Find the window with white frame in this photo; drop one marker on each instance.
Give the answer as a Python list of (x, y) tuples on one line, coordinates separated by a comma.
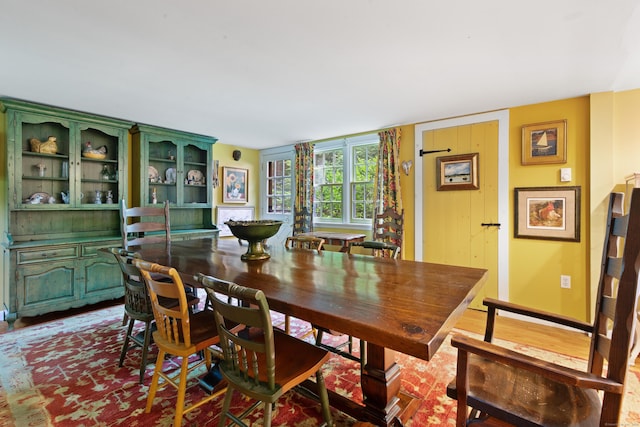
[(344, 173)]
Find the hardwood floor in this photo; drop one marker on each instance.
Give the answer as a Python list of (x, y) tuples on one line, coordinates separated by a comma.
[(558, 340)]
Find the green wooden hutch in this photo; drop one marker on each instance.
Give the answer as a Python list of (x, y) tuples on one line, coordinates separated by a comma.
[(65, 173)]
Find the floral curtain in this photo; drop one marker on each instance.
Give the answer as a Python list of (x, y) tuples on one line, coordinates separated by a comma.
[(387, 185), (304, 177)]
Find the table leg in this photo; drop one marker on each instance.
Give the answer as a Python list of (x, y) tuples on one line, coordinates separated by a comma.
[(384, 404)]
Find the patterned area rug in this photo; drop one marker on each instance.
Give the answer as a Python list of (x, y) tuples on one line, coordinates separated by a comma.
[(65, 373)]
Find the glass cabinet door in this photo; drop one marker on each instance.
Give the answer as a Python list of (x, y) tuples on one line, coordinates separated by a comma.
[(99, 154), (43, 159), (195, 179), (162, 172)]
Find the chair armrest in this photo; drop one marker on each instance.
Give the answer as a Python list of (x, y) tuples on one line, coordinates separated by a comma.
[(549, 370), (494, 304)]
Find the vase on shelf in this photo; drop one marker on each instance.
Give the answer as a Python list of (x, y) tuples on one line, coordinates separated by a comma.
[(105, 175)]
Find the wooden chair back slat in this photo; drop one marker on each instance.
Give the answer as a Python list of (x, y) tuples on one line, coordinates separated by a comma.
[(144, 225), (302, 221), (304, 242), (614, 268), (608, 307)]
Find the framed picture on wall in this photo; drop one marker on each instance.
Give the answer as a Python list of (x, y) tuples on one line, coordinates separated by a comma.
[(547, 213), (459, 172), (544, 143), (232, 214), (236, 185)]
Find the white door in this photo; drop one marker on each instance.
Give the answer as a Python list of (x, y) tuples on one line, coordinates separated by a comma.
[(276, 180)]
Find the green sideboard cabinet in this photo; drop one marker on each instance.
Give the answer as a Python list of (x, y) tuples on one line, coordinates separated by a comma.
[(65, 172)]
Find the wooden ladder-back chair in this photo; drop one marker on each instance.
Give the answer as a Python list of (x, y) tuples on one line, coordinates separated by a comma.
[(389, 226), (259, 361), (147, 225), (144, 225), (137, 307), (302, 221), (500, 384), (179, 333)]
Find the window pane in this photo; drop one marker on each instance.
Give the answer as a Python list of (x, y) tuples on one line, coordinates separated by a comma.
[(330, 173), (279, 186)]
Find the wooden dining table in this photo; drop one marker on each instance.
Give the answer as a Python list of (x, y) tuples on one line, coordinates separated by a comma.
[(394, 305)]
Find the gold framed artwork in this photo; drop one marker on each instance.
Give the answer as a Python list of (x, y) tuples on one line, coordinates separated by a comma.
[(544, 143), (547, 213), (236, 185), (459, 172)]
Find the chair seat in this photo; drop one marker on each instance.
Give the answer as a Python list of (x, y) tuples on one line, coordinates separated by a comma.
[(295, 361), (516, 391)]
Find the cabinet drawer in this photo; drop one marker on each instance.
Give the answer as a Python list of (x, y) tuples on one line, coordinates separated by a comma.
[(92, 250), (50, 254)]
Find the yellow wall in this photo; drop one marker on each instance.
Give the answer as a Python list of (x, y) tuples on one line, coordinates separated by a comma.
[(626, 134), (535, 266), (250, 159)]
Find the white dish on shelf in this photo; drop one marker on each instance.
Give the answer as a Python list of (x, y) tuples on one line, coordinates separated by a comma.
[(195, 177), (153, 174), (170, 176)]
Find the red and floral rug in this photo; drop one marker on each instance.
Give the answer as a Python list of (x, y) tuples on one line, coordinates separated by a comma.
[(65, 373)]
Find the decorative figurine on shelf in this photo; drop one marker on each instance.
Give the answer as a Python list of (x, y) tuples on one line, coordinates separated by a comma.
[(97, 153), (98, 199), (41, 168), (105, 175), (109, 197), (50, 146), (154, 196), (65, 197)]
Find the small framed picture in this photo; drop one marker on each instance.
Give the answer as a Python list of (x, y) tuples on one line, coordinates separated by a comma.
[(547, 213), (544, 143), (458, 172), (236, 185)]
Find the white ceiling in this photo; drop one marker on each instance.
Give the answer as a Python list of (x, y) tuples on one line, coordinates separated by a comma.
[(264, 73)]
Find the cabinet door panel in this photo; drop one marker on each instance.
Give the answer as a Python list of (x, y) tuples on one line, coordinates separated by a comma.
[(101, 275), (44, 285)]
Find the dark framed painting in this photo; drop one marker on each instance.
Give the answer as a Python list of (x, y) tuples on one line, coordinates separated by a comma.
[(236, 185), (544, 143), (459, 172), (547, 213)]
